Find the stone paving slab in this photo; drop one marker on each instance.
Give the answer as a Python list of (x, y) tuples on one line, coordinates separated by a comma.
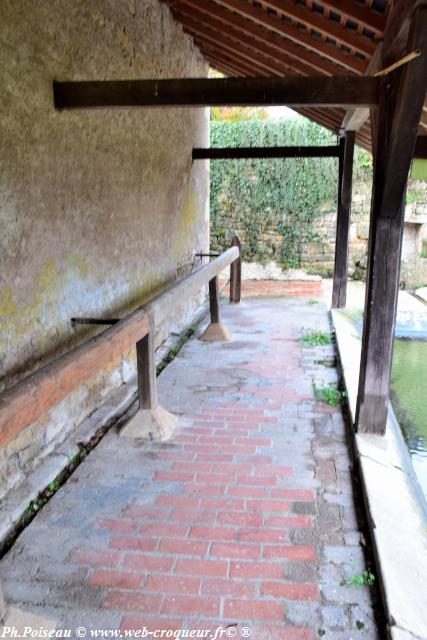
[(244, 519), (395, 505)]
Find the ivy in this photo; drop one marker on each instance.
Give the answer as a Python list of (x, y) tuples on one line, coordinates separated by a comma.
[(272, 199)]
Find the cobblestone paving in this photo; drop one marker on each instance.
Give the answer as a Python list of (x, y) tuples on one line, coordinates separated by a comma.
[(245, 519)]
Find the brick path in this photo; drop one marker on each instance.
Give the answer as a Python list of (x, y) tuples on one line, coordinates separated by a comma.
[(245, 518)]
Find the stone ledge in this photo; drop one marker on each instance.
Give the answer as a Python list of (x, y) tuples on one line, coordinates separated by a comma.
[(396, 510)]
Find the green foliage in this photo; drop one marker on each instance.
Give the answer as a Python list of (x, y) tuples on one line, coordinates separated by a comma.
[(414, 197), (331, 394), (362, 579), (273, 196), (315, 338)]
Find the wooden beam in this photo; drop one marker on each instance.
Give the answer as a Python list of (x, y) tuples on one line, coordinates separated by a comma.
[(330, 29), (206, 11), (395, 127), (339, 293), (213, 153), (177, 295), (202, 92), (297, 35), (356, 12), (25, 402), (355, 119)]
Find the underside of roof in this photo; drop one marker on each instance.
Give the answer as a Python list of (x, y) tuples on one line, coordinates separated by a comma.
[(249, 38)]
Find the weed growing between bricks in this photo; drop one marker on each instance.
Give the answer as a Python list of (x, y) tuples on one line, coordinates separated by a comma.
[(84, 449)]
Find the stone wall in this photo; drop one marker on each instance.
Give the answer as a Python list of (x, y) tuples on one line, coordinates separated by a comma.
[(319, 251), (98, 209)]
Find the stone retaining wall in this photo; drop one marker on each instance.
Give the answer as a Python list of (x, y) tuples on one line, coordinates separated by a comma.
[(318, 253)]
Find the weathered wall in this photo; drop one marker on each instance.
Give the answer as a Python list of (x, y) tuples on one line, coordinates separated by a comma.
[(97, 208)]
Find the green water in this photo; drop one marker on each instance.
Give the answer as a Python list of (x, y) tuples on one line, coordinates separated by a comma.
[(409, 399)]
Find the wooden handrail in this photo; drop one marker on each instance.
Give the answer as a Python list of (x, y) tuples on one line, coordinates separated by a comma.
[(28, 400)]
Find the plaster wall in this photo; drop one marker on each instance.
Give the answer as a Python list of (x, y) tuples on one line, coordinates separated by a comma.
[(98, 209)]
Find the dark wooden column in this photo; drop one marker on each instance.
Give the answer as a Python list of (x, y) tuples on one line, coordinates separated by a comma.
[(395, 133), (345, 184)]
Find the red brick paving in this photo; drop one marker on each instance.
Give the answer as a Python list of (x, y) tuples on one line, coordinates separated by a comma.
[(209, 549), (245, 517)]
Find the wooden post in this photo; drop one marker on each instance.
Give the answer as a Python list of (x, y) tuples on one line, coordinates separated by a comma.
[(214, 300), (345, 179), (236, 273), (146, 369), (394, 139), (215, 332), (150, 421)]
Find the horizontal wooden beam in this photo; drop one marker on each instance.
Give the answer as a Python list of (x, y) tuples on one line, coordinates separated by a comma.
[(203, 92), (265, 152), (25, 402)]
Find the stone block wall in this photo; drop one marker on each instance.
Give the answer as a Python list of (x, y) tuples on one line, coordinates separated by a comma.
[(319, 251), (98, 209)]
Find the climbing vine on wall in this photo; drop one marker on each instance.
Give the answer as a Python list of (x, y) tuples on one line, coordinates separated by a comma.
[(273, 203)]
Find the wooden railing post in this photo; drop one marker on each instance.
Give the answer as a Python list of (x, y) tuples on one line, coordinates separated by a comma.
[(214, 302), (151, 420), (146, 369), (215, 332), (236, 272)]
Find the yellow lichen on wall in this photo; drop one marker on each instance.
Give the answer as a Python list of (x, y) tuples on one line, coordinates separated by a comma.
[(7, 304), (185, 231)]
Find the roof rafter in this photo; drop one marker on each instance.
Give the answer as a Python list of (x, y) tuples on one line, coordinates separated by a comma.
[(292, 32), (195, 20), (360, 13), (325, 26), (234, 46), (210, 10), (238, 61)]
